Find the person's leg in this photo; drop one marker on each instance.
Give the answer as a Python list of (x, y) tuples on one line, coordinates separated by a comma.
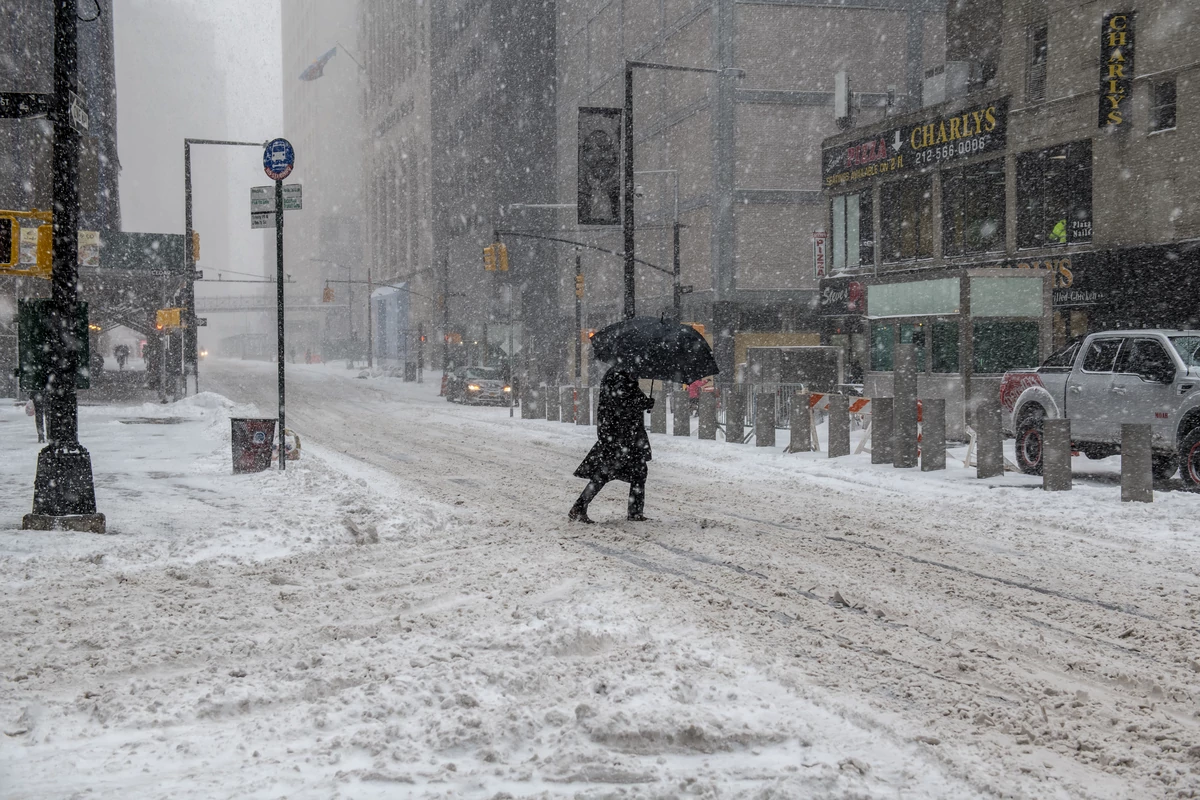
[(637, 500), (579, 510), (39, 410)]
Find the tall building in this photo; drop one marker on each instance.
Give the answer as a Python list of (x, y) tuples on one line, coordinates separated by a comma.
[(739, 148), (1046, 192), (397, 177), (494, 152), (324, 81)]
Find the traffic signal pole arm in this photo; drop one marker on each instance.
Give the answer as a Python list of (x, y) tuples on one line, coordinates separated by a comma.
[(527, 235)]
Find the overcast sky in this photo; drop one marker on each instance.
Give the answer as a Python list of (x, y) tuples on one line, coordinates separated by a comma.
[(201, 69)]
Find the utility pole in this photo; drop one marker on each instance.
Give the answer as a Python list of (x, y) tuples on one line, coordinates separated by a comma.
[(64, 494), (370, 327), (578, 323)]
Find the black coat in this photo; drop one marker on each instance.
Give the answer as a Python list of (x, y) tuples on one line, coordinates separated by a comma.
[(622, 447)]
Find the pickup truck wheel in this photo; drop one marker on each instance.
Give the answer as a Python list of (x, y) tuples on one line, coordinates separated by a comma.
[(1030, 444), (1163, 467), (1189, 460)]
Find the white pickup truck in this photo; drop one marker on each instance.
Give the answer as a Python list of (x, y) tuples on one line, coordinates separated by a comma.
[(1106, 380)]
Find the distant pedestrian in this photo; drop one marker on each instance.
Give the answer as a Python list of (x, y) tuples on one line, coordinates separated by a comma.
[(121, 352), (622, 447), (293, 354), (308, 356), (693, 390), (38, 399)]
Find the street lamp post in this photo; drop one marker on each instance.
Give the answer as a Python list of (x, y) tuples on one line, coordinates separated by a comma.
[(628, 137), (190, 335), (676, 295)]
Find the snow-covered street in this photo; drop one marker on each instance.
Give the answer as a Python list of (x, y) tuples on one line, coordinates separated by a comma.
[(407, 612)]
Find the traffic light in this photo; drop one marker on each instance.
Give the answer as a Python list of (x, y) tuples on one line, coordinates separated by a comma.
[(502, 252), (579, 286), (167, 318), (489, 258), (26, 243), (195, 246)]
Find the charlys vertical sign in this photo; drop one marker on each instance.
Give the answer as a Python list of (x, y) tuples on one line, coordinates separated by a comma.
[(1116, 69)]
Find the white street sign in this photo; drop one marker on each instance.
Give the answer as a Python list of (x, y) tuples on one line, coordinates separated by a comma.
[(262, 219), (262, 198)]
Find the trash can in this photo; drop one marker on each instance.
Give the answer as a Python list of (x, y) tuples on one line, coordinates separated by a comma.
[(253, 443)]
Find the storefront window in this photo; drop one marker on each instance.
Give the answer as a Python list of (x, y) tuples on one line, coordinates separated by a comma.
[(973, 208), (1054, 195), (1001, 345), (1006, 297), (914, 333), (945, 347), (914, 298), (882, 349), (906, 218), (853, 231)]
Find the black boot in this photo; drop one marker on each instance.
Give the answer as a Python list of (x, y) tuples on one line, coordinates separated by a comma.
[(578, 513)]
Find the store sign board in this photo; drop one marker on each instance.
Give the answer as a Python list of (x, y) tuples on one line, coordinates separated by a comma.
[(919, 145), (1116, 70), (819, 239)]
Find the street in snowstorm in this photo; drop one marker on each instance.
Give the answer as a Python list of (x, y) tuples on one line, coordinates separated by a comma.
[(537, 399)]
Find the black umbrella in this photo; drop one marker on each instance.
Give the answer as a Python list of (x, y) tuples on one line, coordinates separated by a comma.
[(656, 349)]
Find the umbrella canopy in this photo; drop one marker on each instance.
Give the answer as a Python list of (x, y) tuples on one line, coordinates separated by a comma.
[(657, 349)]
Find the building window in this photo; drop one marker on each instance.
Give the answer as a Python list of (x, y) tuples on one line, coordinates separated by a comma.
[(1054, 191), (906, 218), (1035, 79), (945, 346), (1003, 345), (853, 231), (1162, 114), (973, 208)]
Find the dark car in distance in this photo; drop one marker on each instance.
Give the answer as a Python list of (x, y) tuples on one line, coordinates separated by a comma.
[(477, 386)]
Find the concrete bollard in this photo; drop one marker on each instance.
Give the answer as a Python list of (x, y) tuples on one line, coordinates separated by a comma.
[(583, 406), (567, 404), (734, 396), (539, 402), (881, 430), (708, 415), (904, 412), (933, 434), (527, 404), (764, 419), (1137, 474), (681, 424), (551, 395), (1056, 455), (989, 441), (658, 414), (801, 424), (839, 425)]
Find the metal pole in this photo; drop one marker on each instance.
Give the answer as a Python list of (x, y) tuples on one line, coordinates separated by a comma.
[(370, 327), (510, 352), (279, 329), (189, 271), (676, 297), (629, 306), (63, 487), (578, 323), (350, 308)]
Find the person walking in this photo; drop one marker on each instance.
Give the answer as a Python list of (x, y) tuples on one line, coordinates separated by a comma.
[(622, 447), (38, 399), (693, 391)]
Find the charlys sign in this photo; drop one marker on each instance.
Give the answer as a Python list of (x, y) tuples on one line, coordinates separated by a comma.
[(1116, 69), (966, 133)]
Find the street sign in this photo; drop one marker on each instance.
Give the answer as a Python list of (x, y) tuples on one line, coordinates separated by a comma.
[(262, 219), (79, 115), (278, 159), (160, 273), (201, 322), (262, 198), (818, 239)]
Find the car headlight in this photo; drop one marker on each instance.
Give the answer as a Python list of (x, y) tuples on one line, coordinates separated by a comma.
[(474, 387), (508, 388)]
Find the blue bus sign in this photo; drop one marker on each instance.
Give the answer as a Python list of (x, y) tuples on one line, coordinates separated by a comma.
[(278, 159)]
